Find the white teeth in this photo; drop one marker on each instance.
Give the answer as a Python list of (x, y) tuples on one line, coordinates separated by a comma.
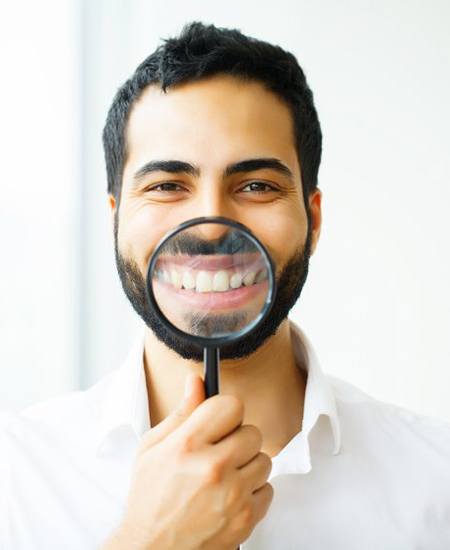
[(235, 280), (204, 282), (188, 280), (220, 281), (207, 281), (261, 275), (175, 279), (249, 278)]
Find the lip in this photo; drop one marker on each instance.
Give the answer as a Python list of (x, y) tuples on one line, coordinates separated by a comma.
[(212, 263), (230, 299)]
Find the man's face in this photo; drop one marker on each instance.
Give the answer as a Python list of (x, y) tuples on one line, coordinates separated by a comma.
[(212, 125)]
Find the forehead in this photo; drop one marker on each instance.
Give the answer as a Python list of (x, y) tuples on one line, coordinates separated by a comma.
[(210, 122)]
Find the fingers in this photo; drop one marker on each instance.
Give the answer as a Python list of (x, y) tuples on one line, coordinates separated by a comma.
[(240, 447), (214, 419), (252, 512), (262, 499), (256, 472)]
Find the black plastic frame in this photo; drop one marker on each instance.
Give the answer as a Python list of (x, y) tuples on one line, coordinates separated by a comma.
[(200, 341)]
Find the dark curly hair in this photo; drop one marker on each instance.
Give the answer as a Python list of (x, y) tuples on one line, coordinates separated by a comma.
[(204, 50)]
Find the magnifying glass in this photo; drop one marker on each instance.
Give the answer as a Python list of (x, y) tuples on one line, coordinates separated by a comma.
[(211, 282)]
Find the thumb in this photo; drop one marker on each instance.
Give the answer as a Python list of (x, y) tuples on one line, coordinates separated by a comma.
[(194, 394)]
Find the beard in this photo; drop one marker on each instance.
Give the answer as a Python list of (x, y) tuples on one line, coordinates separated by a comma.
[(290, 283)]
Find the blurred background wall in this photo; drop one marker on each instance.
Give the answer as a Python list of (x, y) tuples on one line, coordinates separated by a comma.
[(376, 304)]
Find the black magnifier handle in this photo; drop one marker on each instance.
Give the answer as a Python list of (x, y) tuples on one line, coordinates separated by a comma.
[(211, 372)]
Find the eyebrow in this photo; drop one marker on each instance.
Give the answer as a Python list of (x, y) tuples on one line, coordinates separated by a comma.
[(181, 167)]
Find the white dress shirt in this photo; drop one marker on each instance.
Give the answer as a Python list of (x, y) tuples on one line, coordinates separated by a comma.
[(361, 475)]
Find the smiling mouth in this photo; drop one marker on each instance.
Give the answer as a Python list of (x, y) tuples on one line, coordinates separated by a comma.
[(204, 279)]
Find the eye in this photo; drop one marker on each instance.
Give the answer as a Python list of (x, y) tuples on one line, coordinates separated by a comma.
[(258, 187), (166, 187)]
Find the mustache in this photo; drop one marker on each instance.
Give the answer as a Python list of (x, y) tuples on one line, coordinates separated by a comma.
[(232, 242)]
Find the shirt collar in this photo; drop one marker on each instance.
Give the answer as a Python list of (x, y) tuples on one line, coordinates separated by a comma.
[(295, 457), (124, 407)]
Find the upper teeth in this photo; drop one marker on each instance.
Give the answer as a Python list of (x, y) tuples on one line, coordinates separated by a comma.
[(249, 278), (203, 282), (220, 281), (188, 280), (235, 280), (207, 281), (176, 279)]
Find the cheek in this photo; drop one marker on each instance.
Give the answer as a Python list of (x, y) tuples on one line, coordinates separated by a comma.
[(283, 233), (139, 233)]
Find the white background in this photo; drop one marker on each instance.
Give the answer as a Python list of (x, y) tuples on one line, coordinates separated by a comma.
[(376, 304)]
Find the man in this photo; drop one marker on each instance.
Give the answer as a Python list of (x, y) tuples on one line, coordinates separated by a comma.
[(217, 124)]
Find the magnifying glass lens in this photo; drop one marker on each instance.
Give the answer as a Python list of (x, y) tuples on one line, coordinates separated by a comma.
[(210, 280)]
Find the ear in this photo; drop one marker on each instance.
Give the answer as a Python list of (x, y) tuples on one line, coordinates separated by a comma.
[(112, 205), (315, 205)]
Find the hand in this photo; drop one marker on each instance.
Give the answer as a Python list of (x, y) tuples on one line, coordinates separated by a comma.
[(199, 480)]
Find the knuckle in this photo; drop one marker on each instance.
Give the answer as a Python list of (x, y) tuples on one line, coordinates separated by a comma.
[(186, 445), (214, 473), (256, 434), (267, 493), (234, 405), (266, 462), (234, 496)]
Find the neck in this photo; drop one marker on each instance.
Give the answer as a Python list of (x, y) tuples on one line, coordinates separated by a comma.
[(272, 390)]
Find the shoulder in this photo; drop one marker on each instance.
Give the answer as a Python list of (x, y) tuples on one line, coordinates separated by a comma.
[(68, 418), (384, 422)]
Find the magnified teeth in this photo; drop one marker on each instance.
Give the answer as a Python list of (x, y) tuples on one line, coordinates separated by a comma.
[(209, 281), (249, 278), (261, 276), (220, 281), (235, 280), (175, 278), (204, 282), (188, 280)]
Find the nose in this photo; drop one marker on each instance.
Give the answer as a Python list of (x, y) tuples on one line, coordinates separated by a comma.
[(213, 201), (212, 231)]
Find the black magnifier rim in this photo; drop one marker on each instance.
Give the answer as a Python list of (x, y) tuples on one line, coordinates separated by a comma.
[(220, 340)]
